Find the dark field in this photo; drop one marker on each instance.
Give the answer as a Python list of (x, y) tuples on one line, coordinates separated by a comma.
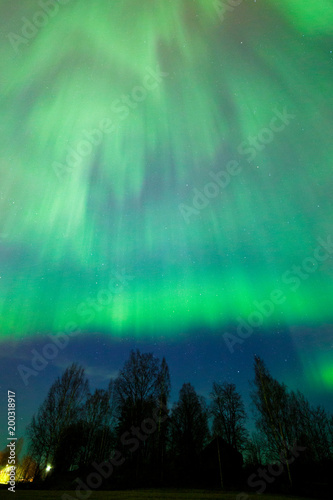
[(143, 495)]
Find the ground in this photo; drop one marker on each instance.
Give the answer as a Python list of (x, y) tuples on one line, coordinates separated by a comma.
[(143, 495)]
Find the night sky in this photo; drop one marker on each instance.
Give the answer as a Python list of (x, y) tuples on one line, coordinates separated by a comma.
[(166, 184)]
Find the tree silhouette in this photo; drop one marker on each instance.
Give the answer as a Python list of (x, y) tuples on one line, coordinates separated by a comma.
[(142, 386), (229, 415), (188, 429), (61, 409), (271, 400), (99, 420)]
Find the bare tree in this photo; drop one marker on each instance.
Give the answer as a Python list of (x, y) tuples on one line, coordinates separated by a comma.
[(160, 439), (99, 420), (287, 417), (254, 450), (61, 408), (138, 387), (189, 425), (143, 385), (229, 415), (310, 426), (273, 408), (27, 469)]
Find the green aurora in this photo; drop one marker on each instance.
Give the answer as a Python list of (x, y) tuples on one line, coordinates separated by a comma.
[(179, 89)]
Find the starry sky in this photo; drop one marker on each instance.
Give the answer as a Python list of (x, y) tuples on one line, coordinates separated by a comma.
[(166, 180)]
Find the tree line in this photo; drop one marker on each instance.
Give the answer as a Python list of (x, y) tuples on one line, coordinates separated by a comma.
[(192, 442)]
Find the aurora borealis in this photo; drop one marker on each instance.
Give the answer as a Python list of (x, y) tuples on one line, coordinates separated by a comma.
[(116, 116)]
